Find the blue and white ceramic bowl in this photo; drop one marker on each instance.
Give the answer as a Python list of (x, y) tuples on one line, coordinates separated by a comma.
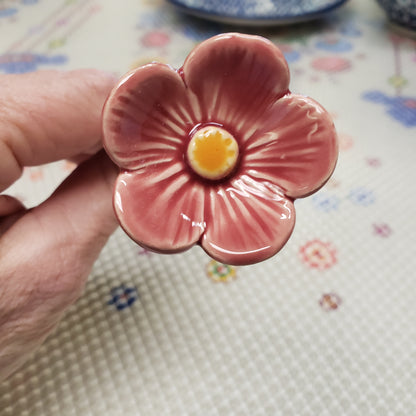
[(258, 12), (400, 12)]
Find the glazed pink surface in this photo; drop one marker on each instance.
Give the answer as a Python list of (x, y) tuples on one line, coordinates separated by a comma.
[(287, 146)]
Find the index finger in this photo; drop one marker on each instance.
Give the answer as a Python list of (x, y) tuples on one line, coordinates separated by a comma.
[(49, 115)]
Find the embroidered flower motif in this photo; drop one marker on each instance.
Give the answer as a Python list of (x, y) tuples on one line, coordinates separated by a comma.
[(123, 297), (403, 109), (330, 302), (36, 174), (216, 152), (326, 202), (382, 230), (362, 196), (318, 254), (331, 64), (220, 272), (334, 44), (345, 142), (19, 63), (374, 162)]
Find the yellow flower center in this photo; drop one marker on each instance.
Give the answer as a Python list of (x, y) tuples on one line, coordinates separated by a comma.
[(212, 152)]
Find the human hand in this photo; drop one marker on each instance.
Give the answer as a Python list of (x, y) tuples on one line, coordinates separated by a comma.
[(47, 252)]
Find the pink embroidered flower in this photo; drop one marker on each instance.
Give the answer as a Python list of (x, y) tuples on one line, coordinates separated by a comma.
[(216, 152), (318, 254)]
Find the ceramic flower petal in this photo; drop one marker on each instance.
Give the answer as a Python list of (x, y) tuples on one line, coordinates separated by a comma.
[(146, 117), (235, 78), (247, 221), (295, 146), (161, 209)]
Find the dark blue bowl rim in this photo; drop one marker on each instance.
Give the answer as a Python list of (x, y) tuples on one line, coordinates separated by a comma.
[(319, 10)]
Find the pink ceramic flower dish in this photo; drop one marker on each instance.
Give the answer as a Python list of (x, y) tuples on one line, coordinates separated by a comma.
[(215, 153)]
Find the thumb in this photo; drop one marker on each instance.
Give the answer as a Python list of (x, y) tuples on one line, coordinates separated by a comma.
[(81, 211), (47, 255), (50, 249), (72, 226)]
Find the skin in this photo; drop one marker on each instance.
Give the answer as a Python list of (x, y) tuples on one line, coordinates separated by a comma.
[(47, 252)]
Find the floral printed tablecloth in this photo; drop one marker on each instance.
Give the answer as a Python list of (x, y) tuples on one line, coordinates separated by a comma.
[(327, 327)]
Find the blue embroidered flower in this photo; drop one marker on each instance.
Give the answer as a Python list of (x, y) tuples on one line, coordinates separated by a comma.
[(290, 54), (351, 30), (123, 297), (402, 109), (19, 63), (8, 12), (325, 202), (333, 44), (362, 196)]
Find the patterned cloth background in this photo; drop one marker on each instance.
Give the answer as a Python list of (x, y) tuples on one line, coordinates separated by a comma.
[(326, 327)]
